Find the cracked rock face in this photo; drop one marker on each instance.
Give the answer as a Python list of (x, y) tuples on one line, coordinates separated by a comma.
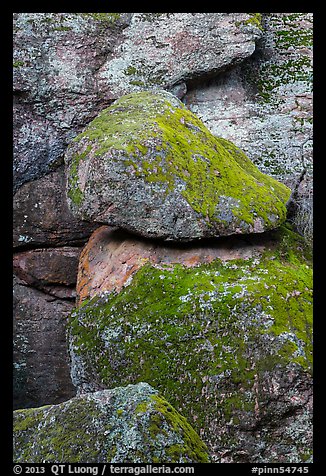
[(150, 166), (161, 50), (265, 104), (42, 217), (132, 424), (41, 363)]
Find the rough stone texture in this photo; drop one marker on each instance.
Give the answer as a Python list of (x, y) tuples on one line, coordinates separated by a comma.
[(111, 257), (163, 50), (67, 66), (132, 424), (228, 342), (41, 368), (148, 165), (42, 217), (52, 270), (265, 104), (56, 56)]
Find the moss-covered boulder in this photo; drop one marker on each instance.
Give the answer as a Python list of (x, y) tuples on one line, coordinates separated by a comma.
[(150, 166), (227, 343), (132, 424)]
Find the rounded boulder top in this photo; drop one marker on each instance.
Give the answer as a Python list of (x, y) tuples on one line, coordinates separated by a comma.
[(148, 165)]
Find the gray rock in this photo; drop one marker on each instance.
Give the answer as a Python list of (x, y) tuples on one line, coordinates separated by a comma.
[(132, 424), (161, 50), (265, 106), (147, 164), (56, 56), (68, 66), (41, 215)]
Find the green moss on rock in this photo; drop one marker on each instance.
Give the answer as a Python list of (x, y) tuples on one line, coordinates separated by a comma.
[(207, 337), (103, 17), (132, 424), (254, 19)]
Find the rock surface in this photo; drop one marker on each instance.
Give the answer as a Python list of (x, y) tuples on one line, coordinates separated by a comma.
[(132, 424), (111, 257), (56, 56), (41, 216), (228, 342), (148, 165), (52, 270), (67, 66), (41, 362), (248, 77), (265, 104), (162, 50)]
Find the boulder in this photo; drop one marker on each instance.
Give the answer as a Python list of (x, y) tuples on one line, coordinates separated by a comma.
[(150, 166), (41, 373), (55, 59), (167, 50), (52, 270), (111, 257), (132, 424), (228, 343), (265, 106)]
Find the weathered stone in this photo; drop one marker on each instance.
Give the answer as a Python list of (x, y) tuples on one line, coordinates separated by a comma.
[(265, 105), (111, 257), (41, 368), (132, 424), (161, 50), (56, 56), (226, 342), (68, 66), (52, 270), (42, 217), (150, 166)]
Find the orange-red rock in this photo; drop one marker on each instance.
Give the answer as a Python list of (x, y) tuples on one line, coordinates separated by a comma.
[(111, 257)]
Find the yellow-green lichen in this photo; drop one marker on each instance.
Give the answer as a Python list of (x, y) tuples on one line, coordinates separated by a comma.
[(18, 64), (103, 17), (191, 331), (254, 19), (292, 36), (106, 427), (168, 144)]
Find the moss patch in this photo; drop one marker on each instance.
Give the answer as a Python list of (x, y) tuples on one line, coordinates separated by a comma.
[(254, 19), (204, 335)]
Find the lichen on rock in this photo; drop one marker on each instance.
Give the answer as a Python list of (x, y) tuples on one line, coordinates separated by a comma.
[(149, 165), (132, 424), (229, 343)]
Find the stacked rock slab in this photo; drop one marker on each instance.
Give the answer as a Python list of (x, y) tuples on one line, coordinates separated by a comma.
[(111, 257), (68, 66), (132, 424), (150, 166), (221, 328)]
